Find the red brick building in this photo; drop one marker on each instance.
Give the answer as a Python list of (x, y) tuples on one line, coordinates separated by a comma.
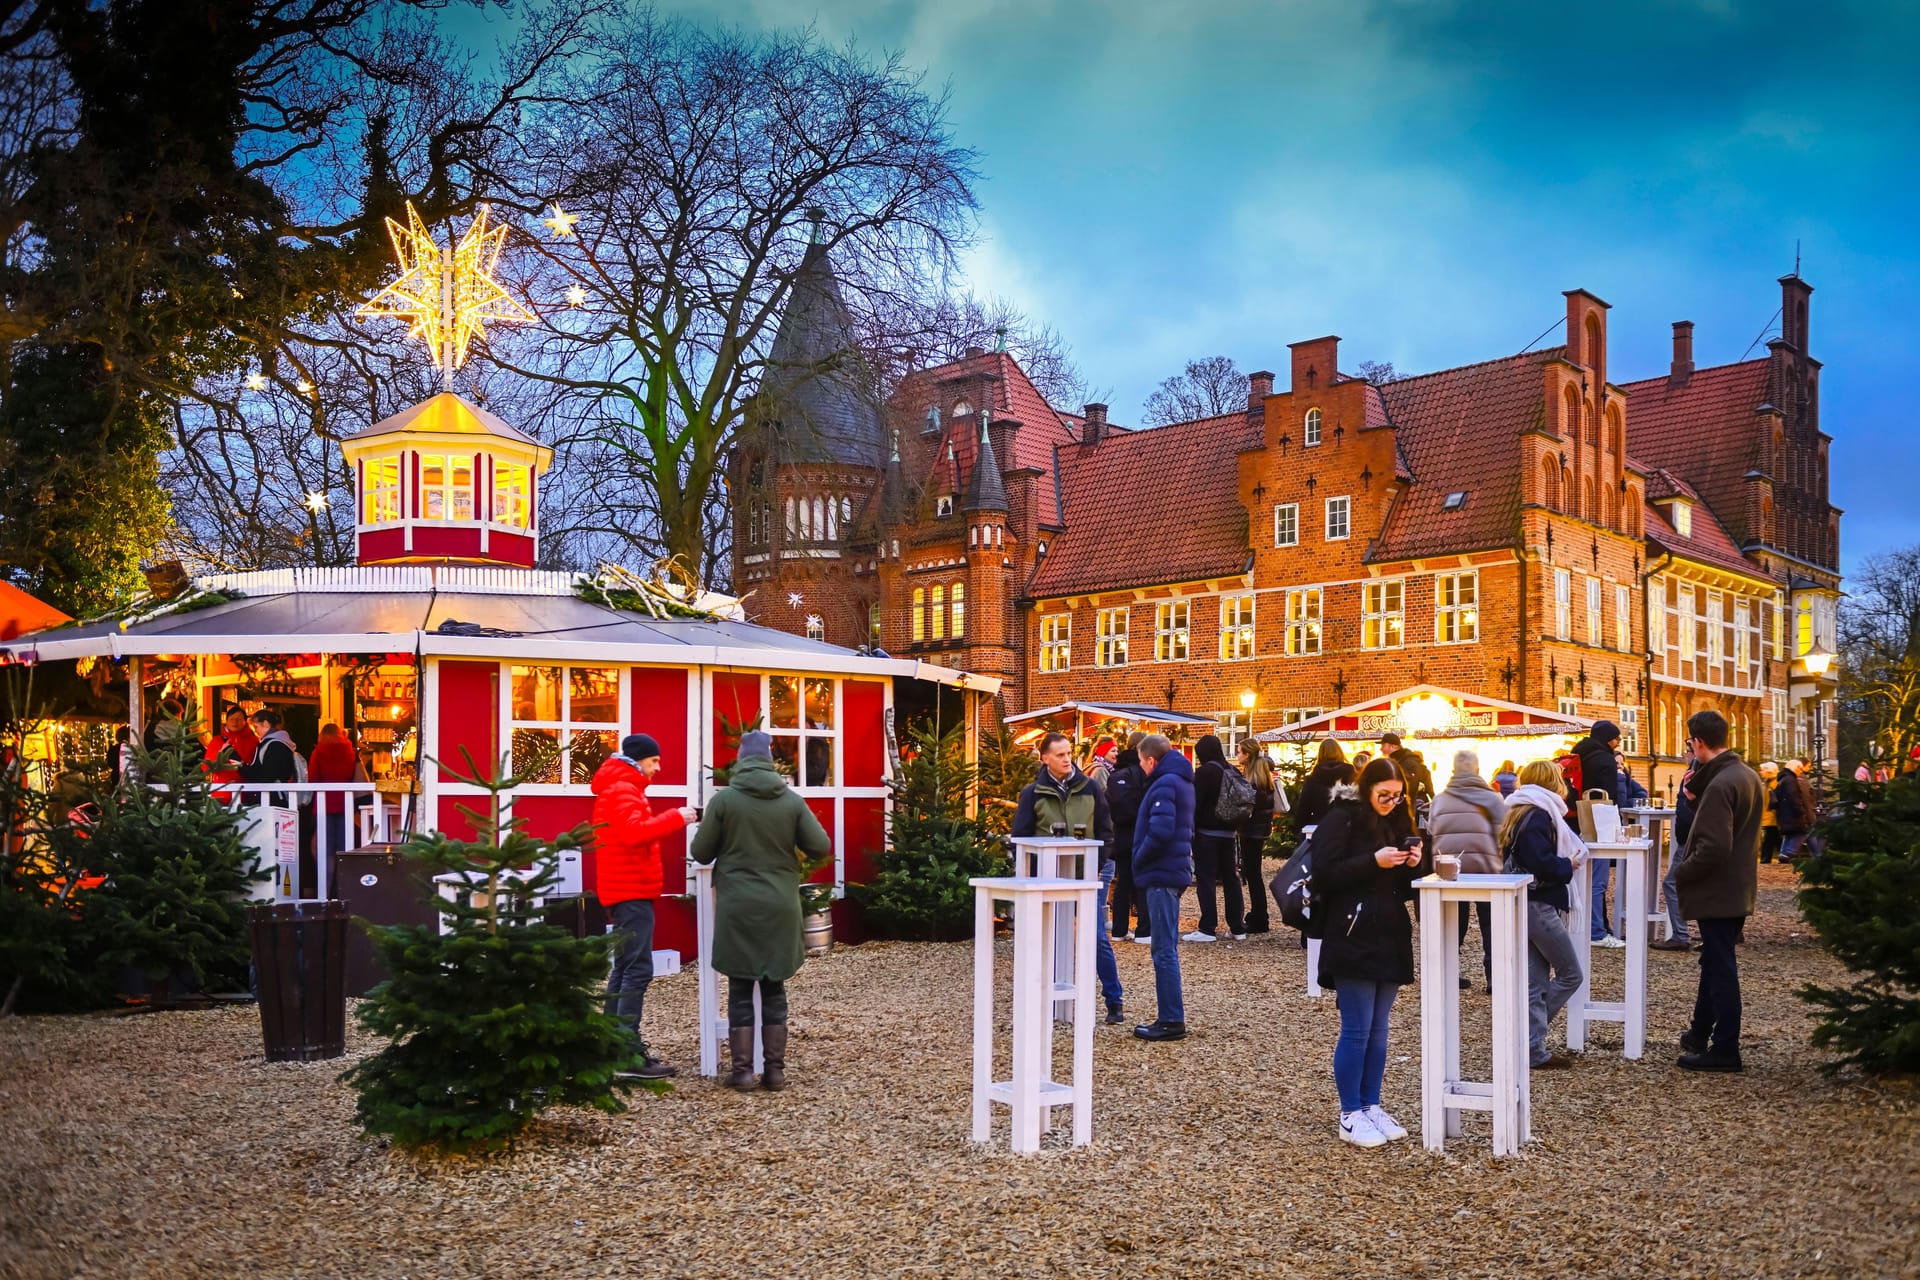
[(1518, 530)]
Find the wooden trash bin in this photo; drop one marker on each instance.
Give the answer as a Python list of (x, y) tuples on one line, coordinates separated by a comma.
[(299, 964)]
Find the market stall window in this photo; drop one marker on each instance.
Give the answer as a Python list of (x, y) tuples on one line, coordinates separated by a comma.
[(565, 722), (801, 719), (512, 486), (380, 491), (446, 486)]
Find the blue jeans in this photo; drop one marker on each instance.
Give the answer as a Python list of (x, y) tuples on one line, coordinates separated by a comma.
[(1360, 1054), (1163, 915), (1601, 870), (1790, 845), (632, 961), (1553, 973), (1103, 961)]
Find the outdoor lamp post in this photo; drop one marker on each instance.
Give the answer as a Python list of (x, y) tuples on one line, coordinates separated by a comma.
[(1819, 660)]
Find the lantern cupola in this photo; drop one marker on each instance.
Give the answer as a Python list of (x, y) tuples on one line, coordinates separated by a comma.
[(446, 481)]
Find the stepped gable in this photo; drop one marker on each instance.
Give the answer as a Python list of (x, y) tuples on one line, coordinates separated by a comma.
[(1703, 428), (1042, 427), (814, 394), (1709, 543), (1147, 507), (1459, 429)]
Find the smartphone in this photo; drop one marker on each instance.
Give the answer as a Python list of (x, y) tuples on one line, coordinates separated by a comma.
[(1412, 845)]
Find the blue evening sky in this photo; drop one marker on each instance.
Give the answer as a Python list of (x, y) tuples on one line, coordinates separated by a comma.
[(1164, 181)]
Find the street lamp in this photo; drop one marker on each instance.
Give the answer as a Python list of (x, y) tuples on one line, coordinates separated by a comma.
[(1247, 699), (1819, 660)]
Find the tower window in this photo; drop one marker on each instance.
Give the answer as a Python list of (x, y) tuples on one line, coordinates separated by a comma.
[(512, 490), (1310, 431), (446, 486), (380, 491)]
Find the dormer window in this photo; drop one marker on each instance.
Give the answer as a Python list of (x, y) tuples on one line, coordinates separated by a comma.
[(380, 491), (961, 411), (446, 486), (1681, 515), (1310, 432), (512, 484), (943, 506)]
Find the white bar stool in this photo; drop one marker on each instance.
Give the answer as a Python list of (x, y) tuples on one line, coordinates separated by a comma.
[(1443, 1094), (1636, 859), (1059, 858), (1314, 989), (1031, 1092)]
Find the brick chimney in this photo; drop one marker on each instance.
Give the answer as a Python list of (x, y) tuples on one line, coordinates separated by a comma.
[(1315, 362), (1095, 429), (1682, 354), (1259, 387)]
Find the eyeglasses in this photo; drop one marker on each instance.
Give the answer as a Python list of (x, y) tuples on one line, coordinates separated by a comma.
[(1391, 797)]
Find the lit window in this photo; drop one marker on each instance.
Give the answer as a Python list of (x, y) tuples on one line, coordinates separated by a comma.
[(1286, 524), (1780, 625), (1742, 634), (1683, 519), (1303, 621), (512, 487), (1311, 432), (1562, 604), (1233, 727), (919, 614), (1056, 642), (446, 486), (1170, 631), (565, 722), (1455, 500), (1457, 607), (380, 491), (937, 614), (1657, 620), (1630, 731), (1236, 627), (1716, 630), (1780, 724), (1687, 630), (800, 719), (1803, 632), (1622, 617), (1593, 612), (959, 628), (1660, 728), (1382, 614), (1110, 638), (816, 627), (1339, 518)]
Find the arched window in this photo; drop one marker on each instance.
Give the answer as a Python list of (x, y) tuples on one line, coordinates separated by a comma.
[(1570, 414), (937, 628), (1592, 510), (1593, 341), (919, 614), (1310, 432), (959, 629), (1550, 483), (1616, 432), (1613, 509), (1631, 516), (1571, 490), (821, 527)]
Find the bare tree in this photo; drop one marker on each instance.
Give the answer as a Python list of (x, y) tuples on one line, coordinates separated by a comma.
[(1879, 635), (1379, 372), (1206, 388)]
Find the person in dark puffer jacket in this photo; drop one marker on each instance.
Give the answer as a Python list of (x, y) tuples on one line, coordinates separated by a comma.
[(1537, 841), (1162, 870), (1125, 786), (1362, 878), (1330, 770), (1216, 852)]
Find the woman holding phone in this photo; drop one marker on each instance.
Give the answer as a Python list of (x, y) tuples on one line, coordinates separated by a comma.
[(1365, 858)]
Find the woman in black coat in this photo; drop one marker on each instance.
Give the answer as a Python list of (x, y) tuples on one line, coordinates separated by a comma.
[(1330, 770), (1365, 859)]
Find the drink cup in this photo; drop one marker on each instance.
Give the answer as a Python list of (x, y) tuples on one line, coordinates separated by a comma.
[(1447, 867)]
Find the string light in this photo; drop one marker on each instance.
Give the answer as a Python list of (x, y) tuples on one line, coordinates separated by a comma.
[(561, 223)]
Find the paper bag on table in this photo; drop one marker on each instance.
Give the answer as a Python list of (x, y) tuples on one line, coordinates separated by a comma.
[(1599, 819)]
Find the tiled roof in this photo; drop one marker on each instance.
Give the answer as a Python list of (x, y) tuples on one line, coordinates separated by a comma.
[(1704, 430), (1014, 397), (815, 392), (1150, 506), (1459, 430), (1662, 483), (1708, 544)]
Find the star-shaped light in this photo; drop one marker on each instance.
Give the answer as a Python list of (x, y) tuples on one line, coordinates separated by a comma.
[(576, 295), (306, 388), (561, 223), (256, 382), (316, 502), (447, 297), (795, 599)]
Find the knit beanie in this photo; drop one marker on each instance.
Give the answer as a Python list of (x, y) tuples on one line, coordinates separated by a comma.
[(639, 746), (755, 745)]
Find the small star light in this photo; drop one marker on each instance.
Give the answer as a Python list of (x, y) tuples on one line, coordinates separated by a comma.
[(561, 223), (256, 382), (795, 599), (306, 388), (576, 295), (316, 502)]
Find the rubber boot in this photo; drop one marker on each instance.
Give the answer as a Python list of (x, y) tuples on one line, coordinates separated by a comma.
[(740, 1044), (773, 1041)]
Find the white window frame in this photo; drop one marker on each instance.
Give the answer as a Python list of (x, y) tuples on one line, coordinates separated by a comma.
[(1594, 620), (1383, 614), (816, 627), (918, 628), (1305, 620), (1237, 627), (1716, 631), (1780, 626), (1683, 519), (1345, 508), (1456, 607), (567, 725), (1622, 617), (1233, 728), (804, 732), (1110, 637), (1781, 725), (1742, 635), (1806, 626), (1286, 524), (1056, 642), (449, 491), (1172, 630), (1297, 715), (937, 612), (1630, 731), (1657, 620), (1569, 707), (1310, 428), (1563, 604), (1689, 634)]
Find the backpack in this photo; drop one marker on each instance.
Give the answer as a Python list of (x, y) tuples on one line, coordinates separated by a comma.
[(305, 798), (1571, 772), (1237, 797), (1292, 889)]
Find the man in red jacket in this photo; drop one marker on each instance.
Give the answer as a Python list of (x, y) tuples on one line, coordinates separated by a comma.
[(627, 876)]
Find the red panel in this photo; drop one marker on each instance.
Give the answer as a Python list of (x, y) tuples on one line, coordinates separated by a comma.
[(866, 839), (436, 540), (510, 548), (413, 499), (736, 700), (469, 716), (659, 707), (548, 816), (676, 929), (455, 823), (382, 544), (863, 731)]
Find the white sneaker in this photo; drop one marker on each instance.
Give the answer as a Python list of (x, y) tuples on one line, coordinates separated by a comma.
[(1239, 937), (1144, 940), (1357, 1129), (1611, 943), (1385, 1123), (1197, 936)]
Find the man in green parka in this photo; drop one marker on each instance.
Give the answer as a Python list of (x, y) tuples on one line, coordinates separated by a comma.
[(755, 833)]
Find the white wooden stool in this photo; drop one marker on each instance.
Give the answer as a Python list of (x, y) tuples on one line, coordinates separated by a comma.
[(1635, 859), (1031, 1092), (1443, 1094), (1314, 989), (1058, 858), (713, 1008)]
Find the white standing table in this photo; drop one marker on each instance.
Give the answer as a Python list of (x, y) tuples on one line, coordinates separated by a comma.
[(1443, 1094), (1031, 1092), (713, 1008), (1635, 859), (1059, 858), (1661, 832), (1313, 944)]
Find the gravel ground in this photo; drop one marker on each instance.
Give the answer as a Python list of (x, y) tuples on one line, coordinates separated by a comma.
[(162, 1145)]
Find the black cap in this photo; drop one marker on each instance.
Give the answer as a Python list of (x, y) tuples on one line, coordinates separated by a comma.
[(1389, 739), (639, 746)]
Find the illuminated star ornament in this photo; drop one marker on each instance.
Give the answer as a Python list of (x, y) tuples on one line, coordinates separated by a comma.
[(561, 223), (256, 382), (447, 297), (316, 502), (795, 599), (576, 295)]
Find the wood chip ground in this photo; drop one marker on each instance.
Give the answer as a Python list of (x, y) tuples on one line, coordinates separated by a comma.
[(164, 1146)]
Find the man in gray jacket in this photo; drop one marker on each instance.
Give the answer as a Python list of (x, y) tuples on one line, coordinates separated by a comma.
[(1717, 877)]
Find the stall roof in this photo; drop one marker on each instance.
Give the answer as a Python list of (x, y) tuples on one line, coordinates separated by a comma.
[(1136, 711), (545, 624), (1484, 717), (21, 613)]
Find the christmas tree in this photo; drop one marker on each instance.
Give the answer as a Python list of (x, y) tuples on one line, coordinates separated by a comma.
[(923, 888), (499, 1017)]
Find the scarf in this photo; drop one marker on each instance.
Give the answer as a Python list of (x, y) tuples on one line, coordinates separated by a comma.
[(1570, 846)]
